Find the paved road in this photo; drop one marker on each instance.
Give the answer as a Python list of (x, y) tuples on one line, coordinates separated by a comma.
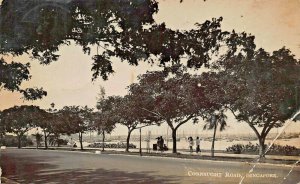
[(39, 166)]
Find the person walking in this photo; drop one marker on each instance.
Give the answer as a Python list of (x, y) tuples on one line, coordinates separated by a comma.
[(198, 145), (191, 144)]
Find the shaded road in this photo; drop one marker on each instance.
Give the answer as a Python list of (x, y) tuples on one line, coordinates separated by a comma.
[(39, 166)]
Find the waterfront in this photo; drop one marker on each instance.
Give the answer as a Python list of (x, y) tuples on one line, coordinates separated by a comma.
[(206, 145)]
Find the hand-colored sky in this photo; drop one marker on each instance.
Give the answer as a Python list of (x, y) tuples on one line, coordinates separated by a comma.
[(275, 23)]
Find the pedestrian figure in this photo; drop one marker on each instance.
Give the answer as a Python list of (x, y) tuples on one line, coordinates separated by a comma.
[(161, 143), (198, 145), (148, 141), (158, 143), (191, 144)]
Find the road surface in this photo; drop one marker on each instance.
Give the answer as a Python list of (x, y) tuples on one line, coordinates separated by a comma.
[(40, 166)]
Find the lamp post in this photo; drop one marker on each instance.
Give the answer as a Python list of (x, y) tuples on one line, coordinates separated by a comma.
[(141, 141)]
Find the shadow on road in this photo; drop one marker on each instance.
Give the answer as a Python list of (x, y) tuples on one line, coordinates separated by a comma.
[(26, 169)]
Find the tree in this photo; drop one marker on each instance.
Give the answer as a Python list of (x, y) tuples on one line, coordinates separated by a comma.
[(212, 122), (128, 117), (49, 123), (259, 88), (118, 106), (104, 122), (134, 114), (77, 119), (105, 119), (20, 119), (2, 129), (127, 111), (176, 99)]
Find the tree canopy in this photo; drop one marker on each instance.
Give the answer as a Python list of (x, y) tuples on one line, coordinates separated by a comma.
[(260, 88), (13, 74), (77, 120), (20, 119), (175, 99), (41, 27), (119, 28)]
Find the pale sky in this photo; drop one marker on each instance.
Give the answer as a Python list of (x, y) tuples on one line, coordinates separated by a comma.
[(275, 23)]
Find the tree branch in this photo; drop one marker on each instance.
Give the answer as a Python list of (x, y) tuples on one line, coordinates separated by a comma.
[(145, 126), (269, 128), (155, 113), (187, 119), (233, 114), (254, 129), (170, 123)]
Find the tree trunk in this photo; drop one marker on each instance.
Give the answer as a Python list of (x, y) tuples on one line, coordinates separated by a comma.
[(213, 141), (261, 139), (127, 140), (174, 140), (261, 147), (37, 142), (2, 140), (103, 139), (80, 140), (46, 136), (19, 140)]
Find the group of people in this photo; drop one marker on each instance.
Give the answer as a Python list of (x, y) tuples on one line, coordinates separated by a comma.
[(191, 144), (160, 144)]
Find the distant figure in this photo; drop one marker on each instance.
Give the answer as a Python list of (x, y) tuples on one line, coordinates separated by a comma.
[(148, 141), (198, 145), (148, 145), (158, 143), (161, 143), (75, 145), (191, 143)]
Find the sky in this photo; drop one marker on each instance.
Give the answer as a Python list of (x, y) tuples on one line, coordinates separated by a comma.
[(275, 23)]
